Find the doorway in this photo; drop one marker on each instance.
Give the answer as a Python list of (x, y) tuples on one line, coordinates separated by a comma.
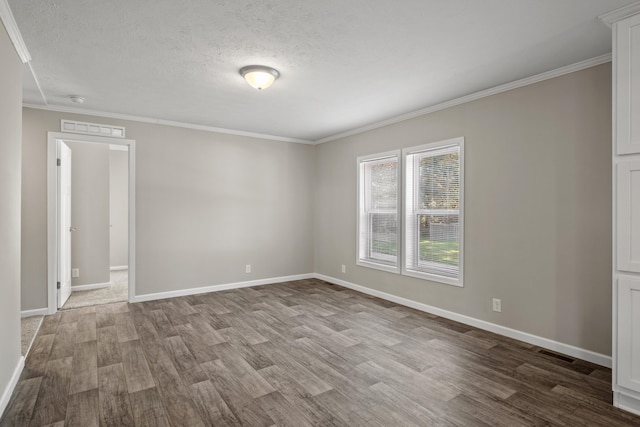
[(91, 229)]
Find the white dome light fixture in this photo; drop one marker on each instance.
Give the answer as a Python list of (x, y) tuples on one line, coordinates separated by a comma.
[(259, 76), (76, 98)]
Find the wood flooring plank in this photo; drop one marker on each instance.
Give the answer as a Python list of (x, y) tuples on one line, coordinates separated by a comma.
[(125, 328), (135, 366), (244, 408), (84, 367), (108, 347), (115, 405), (86, 329), (346, 410), (288, 386), (51, 404), (212, 407), (176, 398), (82, 409), (105, 316), (184, 362), (249, 378), (20, 407), (147, 409), (311, 382), (50, 324), (202, 348), (162, 324), (65, 339), (36, 361), (283, 412), (296, 353)]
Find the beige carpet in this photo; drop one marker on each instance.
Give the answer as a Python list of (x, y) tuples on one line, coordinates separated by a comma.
[(28, 328), (118, 291)]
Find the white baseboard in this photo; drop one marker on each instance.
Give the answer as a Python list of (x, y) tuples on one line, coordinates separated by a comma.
[(36, 312), (223, 287), (119, 267), (580, 353), (8, 391), (90, 287), (625, 401)]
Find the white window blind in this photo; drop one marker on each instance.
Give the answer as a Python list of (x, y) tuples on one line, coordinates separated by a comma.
[(433, 218), (378, 211)]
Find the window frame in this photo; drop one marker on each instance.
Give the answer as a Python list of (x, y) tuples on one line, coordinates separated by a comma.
[(407, 186), (361, 195)]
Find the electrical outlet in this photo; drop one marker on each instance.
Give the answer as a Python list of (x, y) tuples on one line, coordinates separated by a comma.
[(344, 268), (247, 268), (75, 272), (497, 305)]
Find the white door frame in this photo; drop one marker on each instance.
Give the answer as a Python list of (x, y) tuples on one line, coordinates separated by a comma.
[(52, 208)]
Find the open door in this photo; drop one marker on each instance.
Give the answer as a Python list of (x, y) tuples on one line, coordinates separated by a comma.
[(64, 223)]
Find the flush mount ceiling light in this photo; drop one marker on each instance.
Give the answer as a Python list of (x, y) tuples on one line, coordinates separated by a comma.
[(77, 99), (259, 76)]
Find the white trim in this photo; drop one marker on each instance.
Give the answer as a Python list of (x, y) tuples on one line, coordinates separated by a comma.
[(625, 401), (362, 211), (8, 391), (580, 353), (475, 96), (119, 267), (141, 119), (118, 148), (14, 32), (222, 287), (36, 312), (35, 79), (588, 63), (425, 148), (614, 16), (52, 138), (90, 287)]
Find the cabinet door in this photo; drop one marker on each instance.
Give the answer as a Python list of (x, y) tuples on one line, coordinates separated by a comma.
[(629, 333), (627, 47), (628, 216)]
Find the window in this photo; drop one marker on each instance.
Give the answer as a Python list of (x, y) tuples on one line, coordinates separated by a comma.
[(427, 237), (378, 211), (433, 211)]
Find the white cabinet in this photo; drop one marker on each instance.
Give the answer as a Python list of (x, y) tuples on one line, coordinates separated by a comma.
[(625, 24), (627, 80), (628, 216), (628, 372)]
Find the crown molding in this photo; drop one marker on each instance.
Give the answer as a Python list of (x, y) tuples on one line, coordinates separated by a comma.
[(602, 59), (86, 112), (37, 82), (14, 33), (614, 16)]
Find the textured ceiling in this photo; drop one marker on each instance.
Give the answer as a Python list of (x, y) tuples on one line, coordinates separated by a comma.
[(343, 64)]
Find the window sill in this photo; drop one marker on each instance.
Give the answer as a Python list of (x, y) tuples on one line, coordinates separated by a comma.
[(433, 278), (375, 266)]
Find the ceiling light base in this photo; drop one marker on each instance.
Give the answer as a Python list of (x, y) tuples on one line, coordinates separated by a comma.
[(259, 76)]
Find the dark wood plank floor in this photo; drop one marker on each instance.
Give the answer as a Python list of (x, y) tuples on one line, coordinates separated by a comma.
[(298, 353)]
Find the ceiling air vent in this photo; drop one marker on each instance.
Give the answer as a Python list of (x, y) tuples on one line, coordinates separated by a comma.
[(85, 128)]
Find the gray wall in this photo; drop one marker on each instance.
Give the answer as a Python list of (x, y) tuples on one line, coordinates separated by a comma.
[(10, 137), (206, 205), (537, 200), (119, 207), (90, 212)]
